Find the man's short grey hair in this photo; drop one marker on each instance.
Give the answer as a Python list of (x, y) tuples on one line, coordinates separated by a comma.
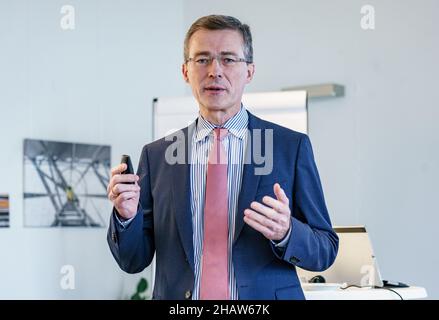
[(220, 22)]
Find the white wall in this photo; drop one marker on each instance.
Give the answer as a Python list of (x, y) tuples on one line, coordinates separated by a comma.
[(94, 84), (377, 148)]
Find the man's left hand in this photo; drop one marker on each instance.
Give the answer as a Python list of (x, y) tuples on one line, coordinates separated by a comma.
[(272, 218)]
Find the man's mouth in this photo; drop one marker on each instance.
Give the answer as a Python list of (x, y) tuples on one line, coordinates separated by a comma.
[(214, 89)]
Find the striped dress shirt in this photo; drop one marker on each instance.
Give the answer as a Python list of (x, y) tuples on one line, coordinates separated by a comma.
[(234, 144)]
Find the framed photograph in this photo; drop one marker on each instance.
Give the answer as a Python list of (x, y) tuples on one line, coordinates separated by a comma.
[(65, 184), (4, 210)]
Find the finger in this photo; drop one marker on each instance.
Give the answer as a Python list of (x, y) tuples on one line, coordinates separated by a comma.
[(121, 188), (280, 194), (277, 205), (111, 196), (270, 224), (124, 178), (258, 227), (115, 176), (129, 195), (266, 211), (118, 169), (124, 204)]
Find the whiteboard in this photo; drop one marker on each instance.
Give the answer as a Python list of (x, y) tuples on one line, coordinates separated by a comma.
[(286, 108)]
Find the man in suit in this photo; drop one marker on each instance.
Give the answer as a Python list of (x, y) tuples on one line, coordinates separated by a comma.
[(221, 224)]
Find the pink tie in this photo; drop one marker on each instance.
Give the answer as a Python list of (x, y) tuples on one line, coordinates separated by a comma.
[(214, 273)]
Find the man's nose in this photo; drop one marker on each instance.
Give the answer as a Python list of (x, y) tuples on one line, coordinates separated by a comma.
[(215, 69)]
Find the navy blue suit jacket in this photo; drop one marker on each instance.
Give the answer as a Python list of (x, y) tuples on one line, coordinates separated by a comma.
[(163, 224)]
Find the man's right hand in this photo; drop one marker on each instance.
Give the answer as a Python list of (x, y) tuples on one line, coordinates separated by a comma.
[(125, 197)]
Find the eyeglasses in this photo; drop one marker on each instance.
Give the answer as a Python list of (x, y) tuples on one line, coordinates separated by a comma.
[(224, 60)]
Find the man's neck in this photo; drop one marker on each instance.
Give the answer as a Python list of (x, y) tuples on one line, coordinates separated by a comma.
[(219, 117)]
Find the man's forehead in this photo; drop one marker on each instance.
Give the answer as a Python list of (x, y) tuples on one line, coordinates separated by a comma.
[(216, 41)]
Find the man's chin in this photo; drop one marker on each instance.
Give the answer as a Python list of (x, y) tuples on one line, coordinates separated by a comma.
[(214, 104)]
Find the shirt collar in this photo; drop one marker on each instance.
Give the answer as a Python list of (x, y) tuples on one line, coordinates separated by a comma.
[(237, 125)]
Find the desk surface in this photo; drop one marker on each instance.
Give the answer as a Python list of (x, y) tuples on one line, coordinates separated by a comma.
[(366, 294)]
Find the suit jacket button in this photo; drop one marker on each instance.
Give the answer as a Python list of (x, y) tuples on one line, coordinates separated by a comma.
[(294, 260), (188, 294)]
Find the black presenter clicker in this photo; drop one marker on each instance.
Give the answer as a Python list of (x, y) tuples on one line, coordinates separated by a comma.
[(129, 170)]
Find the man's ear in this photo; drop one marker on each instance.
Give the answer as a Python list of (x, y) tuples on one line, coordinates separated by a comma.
[(250, 72), (184, 72)]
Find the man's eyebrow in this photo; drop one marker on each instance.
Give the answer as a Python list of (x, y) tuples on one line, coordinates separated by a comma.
[(207, 53), (202, 53), (228, 53)]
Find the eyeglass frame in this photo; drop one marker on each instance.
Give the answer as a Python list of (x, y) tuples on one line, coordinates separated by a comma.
[(217, 58)]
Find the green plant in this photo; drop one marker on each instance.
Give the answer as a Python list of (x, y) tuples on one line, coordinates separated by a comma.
[(140, 294)]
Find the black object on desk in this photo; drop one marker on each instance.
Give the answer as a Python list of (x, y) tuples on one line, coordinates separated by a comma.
[(317, 279), (394, 284)]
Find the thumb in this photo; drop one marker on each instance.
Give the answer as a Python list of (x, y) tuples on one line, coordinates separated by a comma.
[(280, 193)]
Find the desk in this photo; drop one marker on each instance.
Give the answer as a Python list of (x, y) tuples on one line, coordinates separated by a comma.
[(366, 294)]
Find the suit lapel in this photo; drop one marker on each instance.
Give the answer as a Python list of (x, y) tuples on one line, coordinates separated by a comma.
[(250, 181), (182, 195)]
